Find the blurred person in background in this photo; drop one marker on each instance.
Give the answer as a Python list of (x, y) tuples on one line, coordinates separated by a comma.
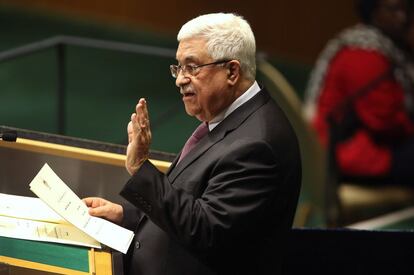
[(360, 95)]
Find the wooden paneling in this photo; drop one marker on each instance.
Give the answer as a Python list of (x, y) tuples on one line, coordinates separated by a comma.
[(295, 30)]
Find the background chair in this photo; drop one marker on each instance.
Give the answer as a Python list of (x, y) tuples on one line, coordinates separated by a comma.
[(325, 199), (311, 207), (355, 199)]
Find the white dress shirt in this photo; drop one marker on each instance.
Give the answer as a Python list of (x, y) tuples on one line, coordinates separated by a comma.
[(252, 91)]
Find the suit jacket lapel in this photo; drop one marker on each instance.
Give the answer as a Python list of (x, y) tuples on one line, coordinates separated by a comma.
[(204, 144), (219, 132)]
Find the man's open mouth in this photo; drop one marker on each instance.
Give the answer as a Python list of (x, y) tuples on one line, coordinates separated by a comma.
[(188, 94)]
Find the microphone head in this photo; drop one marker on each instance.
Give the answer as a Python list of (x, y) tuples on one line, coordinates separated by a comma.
[(9, 136)]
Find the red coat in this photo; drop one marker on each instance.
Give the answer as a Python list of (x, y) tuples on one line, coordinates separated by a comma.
[(381, 112)]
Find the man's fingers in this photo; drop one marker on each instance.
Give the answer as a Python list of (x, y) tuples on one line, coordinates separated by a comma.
[(88, 201), (94, 202), (145, 117), (139, 119), (135, 124), (139, 138), (142, 113), (130, 131), (100, 211)]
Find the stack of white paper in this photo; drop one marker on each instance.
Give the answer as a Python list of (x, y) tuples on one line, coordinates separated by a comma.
[(31, 219), (59, 216)]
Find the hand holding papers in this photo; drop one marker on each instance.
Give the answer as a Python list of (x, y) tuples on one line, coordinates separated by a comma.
[(58, 196)]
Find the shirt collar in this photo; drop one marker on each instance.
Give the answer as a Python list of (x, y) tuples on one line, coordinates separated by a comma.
[(252, 91)]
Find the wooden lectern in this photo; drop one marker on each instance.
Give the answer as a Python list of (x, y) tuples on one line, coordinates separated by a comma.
[(89, 168), (21, 257)]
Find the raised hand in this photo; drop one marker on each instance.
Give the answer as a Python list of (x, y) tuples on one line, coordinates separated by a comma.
[(139, 138)]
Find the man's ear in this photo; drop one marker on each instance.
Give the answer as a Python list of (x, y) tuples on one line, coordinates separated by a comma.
[(233, 71)]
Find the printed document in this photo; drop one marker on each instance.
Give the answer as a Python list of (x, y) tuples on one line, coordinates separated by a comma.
[(59, 197), (44, 231), (31, 219)]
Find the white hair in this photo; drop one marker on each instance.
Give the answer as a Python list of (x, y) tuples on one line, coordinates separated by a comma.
[(228, 36)]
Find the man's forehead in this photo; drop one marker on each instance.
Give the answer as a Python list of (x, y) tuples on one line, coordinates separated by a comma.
[(191, 49)]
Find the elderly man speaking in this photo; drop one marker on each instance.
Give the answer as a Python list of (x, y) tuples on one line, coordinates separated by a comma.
[(229, 198)]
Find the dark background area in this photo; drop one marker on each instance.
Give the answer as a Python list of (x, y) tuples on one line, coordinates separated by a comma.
[(103, 86)]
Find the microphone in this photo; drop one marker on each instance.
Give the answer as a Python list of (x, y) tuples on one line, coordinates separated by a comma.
[(9, 136)]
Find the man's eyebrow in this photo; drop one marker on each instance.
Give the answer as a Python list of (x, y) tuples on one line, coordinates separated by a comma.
[(189, 59)]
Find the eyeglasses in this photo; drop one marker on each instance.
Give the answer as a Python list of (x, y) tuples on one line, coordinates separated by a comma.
[(191, 70)]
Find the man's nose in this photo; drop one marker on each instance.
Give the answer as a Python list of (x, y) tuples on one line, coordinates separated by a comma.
[(181, 79)]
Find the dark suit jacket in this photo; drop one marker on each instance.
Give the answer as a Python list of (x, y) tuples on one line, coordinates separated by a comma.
[(225, 208)]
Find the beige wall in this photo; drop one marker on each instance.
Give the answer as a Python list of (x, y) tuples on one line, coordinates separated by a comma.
[(295, 30)]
